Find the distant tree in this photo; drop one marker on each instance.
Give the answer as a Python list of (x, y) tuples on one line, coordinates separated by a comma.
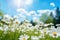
[(49, 20), (1, 13), (33, 23), (51, 14), (57, 16), (44, 17), (1, 16), (57, 12)]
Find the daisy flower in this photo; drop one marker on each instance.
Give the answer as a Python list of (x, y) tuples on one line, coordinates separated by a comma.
[(23, 37)]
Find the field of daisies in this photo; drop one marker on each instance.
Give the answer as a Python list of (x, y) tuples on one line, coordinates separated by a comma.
[(12, 29)]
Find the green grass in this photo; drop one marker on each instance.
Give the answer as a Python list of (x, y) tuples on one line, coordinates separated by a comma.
[(15, 35)]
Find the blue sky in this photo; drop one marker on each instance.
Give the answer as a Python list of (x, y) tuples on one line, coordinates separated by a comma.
[(10, 6), (36, 5)]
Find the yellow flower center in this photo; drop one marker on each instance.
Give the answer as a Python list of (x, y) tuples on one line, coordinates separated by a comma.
[(24, 38), (54, 33), (17, 22)]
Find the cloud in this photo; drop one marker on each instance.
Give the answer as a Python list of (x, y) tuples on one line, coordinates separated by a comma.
[(52, 4), (35, 19), (44, 11), (21, 3), (21, 10), (25, 12), (34, 14), (28, 2)]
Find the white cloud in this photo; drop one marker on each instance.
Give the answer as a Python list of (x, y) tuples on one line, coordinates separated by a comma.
[(52, 4), (34, 14), (15, 16), (21, 3), (44, 11), (35, 19), (28, 2), (21, 10)]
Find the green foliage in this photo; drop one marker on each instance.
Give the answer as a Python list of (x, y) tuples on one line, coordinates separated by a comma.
[(9, 35), (46, 18), (15, 35), (43, 17), (47, 37), (49, 20), (33, 23), (1, 13)]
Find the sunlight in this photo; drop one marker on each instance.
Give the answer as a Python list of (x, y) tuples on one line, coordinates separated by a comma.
[(22, 3)]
